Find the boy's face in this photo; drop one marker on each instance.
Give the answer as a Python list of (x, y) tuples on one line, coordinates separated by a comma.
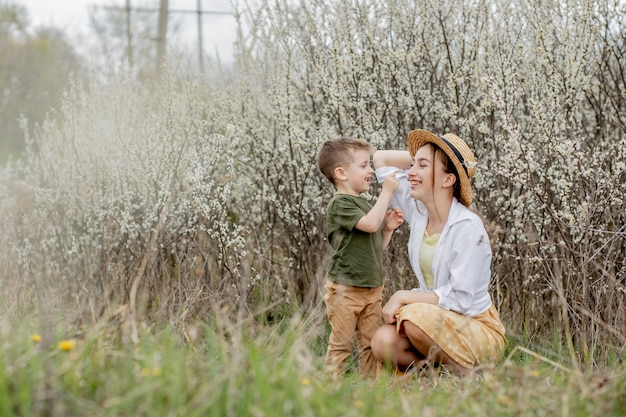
[(356, 177)]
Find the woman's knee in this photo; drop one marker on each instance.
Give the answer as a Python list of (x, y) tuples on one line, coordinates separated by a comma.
[(383, 341)]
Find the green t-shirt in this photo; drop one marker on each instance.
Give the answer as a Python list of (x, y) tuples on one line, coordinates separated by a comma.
[(358, 256)]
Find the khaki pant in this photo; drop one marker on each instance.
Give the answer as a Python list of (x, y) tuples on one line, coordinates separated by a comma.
[(352, 311)]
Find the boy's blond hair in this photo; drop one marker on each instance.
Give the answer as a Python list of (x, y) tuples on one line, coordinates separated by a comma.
[(338, 153)]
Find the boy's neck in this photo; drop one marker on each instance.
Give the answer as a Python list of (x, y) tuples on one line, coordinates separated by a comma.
[(341, 189)]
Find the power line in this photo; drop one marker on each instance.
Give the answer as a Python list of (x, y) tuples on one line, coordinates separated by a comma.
[(152, 10), (164, 12)]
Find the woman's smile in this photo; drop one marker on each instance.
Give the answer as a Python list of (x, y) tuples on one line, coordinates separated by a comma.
[(414, 181)]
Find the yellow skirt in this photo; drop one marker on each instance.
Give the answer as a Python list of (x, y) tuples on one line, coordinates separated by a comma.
[(468, 340)]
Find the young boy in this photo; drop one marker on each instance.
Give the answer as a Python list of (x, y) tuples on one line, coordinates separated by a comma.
[(354, 280)]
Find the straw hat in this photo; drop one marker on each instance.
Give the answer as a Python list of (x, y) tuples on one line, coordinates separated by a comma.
[(458, 152)]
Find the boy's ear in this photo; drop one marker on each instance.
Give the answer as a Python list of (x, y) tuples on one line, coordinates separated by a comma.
[(340, 173)]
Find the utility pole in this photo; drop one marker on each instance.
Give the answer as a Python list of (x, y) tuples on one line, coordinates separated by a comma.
[(162, 34), (129, 36), (200, 47)]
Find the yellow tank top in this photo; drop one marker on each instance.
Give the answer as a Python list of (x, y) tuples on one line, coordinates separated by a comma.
[(427, 250)]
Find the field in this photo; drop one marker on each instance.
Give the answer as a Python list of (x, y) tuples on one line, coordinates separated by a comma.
[(219, 369), (163, 241)]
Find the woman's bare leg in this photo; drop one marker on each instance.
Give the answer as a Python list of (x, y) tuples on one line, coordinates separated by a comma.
[(390, 348), (427, 347)]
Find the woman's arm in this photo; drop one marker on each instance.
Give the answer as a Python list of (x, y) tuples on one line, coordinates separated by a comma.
[(400, 159), (404, 297), (464, 282)]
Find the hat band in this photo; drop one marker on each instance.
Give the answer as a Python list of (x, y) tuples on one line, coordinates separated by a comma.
[(457, 154)]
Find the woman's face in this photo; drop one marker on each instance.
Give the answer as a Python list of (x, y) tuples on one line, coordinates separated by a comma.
[(426, 174)]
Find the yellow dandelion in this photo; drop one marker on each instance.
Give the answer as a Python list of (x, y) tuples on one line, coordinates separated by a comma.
[(35, 338), (504, 399), (305, 381), (147, 371), (67, 345), (359, 404)]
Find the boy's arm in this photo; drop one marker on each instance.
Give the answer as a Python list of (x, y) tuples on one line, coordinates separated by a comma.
[(393, 219), (371, 222), (387, 237)]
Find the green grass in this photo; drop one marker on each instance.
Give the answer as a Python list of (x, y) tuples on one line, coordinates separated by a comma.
[(243, 370)]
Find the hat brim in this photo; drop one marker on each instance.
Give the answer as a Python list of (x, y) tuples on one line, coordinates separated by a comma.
[(418, 138)]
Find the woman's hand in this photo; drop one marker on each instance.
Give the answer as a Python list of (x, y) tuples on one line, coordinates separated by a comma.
[(393, 305), (403, 297)]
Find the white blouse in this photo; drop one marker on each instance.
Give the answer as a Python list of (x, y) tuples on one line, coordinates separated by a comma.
[(462, 259)]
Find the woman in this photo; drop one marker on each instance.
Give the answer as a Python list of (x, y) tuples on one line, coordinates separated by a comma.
[(450, 319)]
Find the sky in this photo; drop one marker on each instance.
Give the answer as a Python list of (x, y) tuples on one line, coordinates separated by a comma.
[(72, 17)]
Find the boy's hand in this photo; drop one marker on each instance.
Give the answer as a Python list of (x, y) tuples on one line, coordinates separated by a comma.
[(393, 219), (391, 183)]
